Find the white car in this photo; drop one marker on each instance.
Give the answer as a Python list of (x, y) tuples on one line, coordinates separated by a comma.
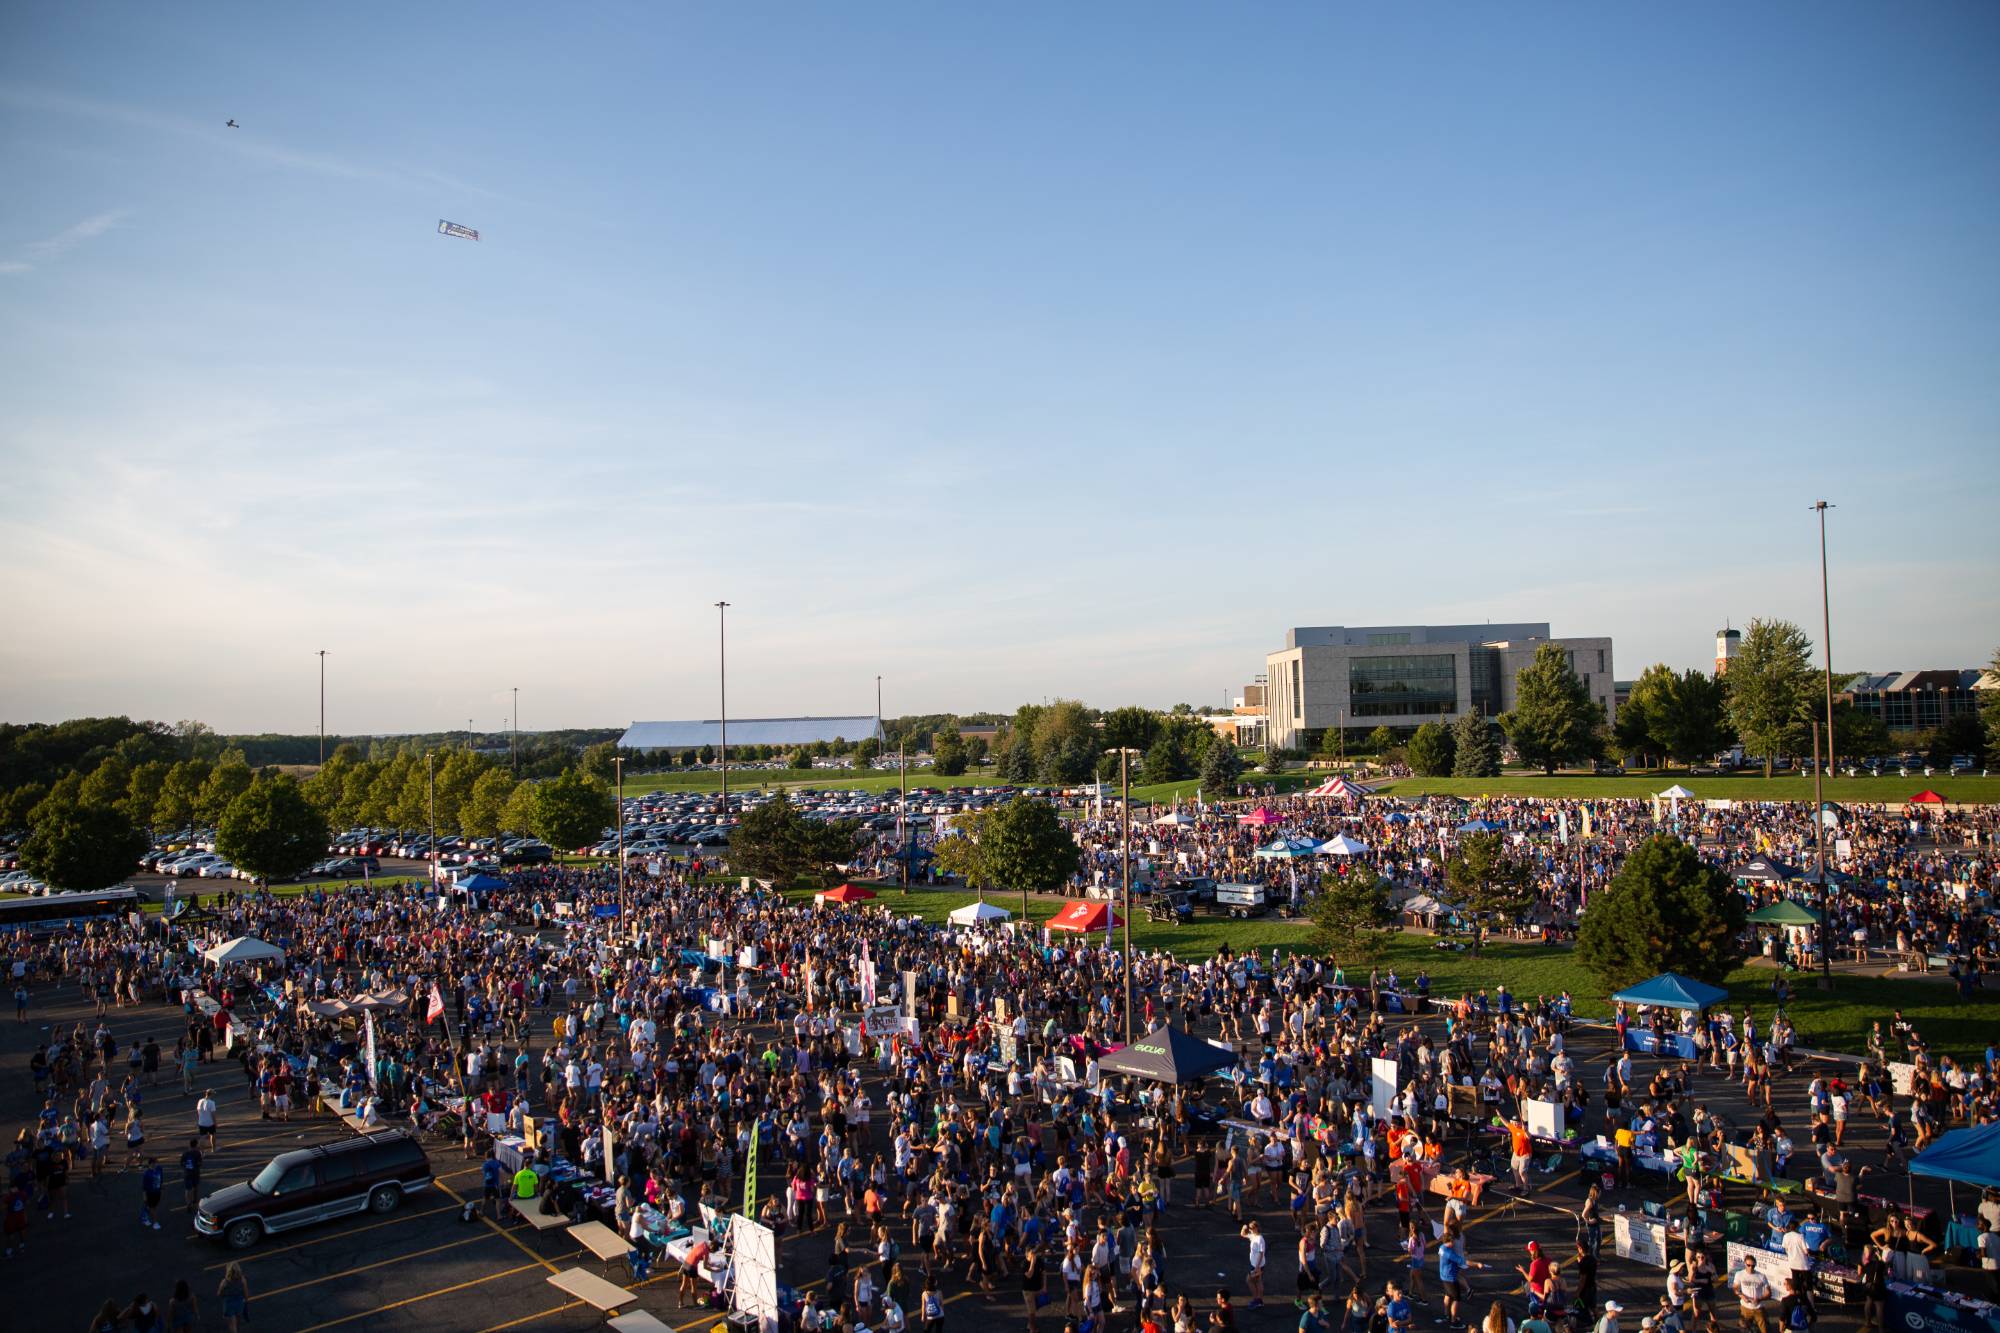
[(218, 870)]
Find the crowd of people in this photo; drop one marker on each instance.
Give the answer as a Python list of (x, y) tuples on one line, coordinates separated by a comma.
[(981, 1146)]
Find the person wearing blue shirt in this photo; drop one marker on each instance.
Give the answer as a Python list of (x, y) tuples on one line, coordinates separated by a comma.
[(151, 1182), (493, 1176), (1397, 1309)]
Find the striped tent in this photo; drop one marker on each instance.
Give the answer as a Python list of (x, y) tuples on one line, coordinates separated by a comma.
[(1341, 787)]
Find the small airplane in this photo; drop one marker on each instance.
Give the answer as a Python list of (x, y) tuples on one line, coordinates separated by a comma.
[(232, 125)]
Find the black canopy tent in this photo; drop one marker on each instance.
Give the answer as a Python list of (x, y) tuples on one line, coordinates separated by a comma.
[(1168, 1055)]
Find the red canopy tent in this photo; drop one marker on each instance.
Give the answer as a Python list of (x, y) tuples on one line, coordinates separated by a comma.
[(1342, 788), (1927, 797), (1083, 918), (1261, 816), (847, 893)]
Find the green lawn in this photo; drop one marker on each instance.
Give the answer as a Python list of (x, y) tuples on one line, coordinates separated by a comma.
[(1838, 1021), (1882, 791)]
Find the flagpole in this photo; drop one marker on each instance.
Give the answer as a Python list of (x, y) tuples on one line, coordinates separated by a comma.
[(457, 1069)]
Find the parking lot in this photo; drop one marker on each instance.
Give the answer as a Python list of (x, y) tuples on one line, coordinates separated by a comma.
[(425, 1268)]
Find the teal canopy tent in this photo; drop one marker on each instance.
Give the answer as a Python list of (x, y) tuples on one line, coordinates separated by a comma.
[(1671, 990)]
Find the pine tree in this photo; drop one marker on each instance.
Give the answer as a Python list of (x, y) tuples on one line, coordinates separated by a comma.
[(1475, 754), (1554, 720)]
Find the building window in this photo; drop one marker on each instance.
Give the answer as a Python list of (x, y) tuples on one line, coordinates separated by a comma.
[(1424, 685), (1388, 640), (1484, 664), (1298, 694), (1600, 661)]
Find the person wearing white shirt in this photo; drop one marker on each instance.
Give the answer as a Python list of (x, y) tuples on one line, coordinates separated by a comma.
[(1799, 1255)]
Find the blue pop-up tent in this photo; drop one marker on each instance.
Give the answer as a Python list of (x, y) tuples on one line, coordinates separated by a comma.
[(1971, 1155), (1671, 990), (482, 883)]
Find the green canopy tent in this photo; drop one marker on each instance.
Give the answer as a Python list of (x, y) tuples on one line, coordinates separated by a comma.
[(1784, 912)]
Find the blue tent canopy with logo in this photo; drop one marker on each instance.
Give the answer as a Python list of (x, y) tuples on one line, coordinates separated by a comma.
[(1671, 990), (482, 883), (1479, 826), (1971, 1155)]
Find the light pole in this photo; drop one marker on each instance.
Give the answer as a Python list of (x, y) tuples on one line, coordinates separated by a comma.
[(878, 710), (322, 707), (1825, 630), (722, 651), (1125, 871), (431, 779), (514, 736), (618, 778), (1819, 841)]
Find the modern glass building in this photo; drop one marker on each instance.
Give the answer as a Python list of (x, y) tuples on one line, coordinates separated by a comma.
[(1406, 675)]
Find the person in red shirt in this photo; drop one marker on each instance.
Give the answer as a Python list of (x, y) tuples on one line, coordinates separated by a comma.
[(1538, 1272)]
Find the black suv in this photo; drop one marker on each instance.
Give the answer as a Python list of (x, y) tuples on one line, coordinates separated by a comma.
[(297, 1189)]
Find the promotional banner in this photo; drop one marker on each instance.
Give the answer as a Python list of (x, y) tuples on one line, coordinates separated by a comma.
[(750, 1177), (1381, 1085), (368, 1018), (1641, 1239)]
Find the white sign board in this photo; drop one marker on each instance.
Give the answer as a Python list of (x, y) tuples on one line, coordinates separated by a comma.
[(1381, 1085), (1641, 1238), (1545, 1119), (754, 1255)]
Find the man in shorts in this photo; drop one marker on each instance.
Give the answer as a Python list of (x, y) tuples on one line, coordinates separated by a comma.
[(191, 1172), (494, 1177), (204, 1117)]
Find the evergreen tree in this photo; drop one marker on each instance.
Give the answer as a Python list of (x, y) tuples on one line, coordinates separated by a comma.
[(1484, 880), (1665, 911), (1167, 760), (1554, 720), (1432, 750), (1220, 768), (1474, 752), (1353, 921)]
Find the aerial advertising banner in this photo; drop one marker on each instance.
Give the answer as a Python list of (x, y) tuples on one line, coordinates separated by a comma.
[(453, 229)]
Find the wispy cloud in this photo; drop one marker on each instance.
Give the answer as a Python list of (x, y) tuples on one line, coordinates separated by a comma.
[(63, 241), (247, 145)]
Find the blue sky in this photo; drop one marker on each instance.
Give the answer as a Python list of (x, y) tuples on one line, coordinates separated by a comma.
[(1006, 351)]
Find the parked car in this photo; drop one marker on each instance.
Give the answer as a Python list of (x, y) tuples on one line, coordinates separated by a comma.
[(296, 1189)]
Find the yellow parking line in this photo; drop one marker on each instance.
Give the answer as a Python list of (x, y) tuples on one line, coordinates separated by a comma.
[(364, 1268), (412, 1300), (499, 1230), (337, 1235), (531, 1318)]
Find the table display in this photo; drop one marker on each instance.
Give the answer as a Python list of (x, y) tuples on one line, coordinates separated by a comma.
[(1640, 1238), (1929, 1310)]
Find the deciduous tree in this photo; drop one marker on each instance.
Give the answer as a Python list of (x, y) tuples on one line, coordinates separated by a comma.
[(1770, 689), (272, 830), (83, 847), (572, 809)]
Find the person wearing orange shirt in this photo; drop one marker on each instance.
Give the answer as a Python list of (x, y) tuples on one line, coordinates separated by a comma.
[(1522, 1152)]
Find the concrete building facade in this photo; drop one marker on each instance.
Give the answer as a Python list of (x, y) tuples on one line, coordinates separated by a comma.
[(1407, 675)]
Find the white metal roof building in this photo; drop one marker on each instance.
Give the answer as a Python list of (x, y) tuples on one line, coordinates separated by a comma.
[(747, 731)]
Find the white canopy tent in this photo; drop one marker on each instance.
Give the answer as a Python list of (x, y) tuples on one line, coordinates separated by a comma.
[(1176, 818), (244, 949), (1340, 845), (1677, 793), (973, 914)]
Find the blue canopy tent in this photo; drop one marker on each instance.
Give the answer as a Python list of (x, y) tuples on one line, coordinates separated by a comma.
[(1971, 1155), (1479, 826), (1671, 990), (482, 883)]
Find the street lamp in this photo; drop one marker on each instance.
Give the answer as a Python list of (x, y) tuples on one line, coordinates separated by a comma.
[(1124, 754), (722, 650), (431, 779), (514, 736), (1826, 626), (618, 778)]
